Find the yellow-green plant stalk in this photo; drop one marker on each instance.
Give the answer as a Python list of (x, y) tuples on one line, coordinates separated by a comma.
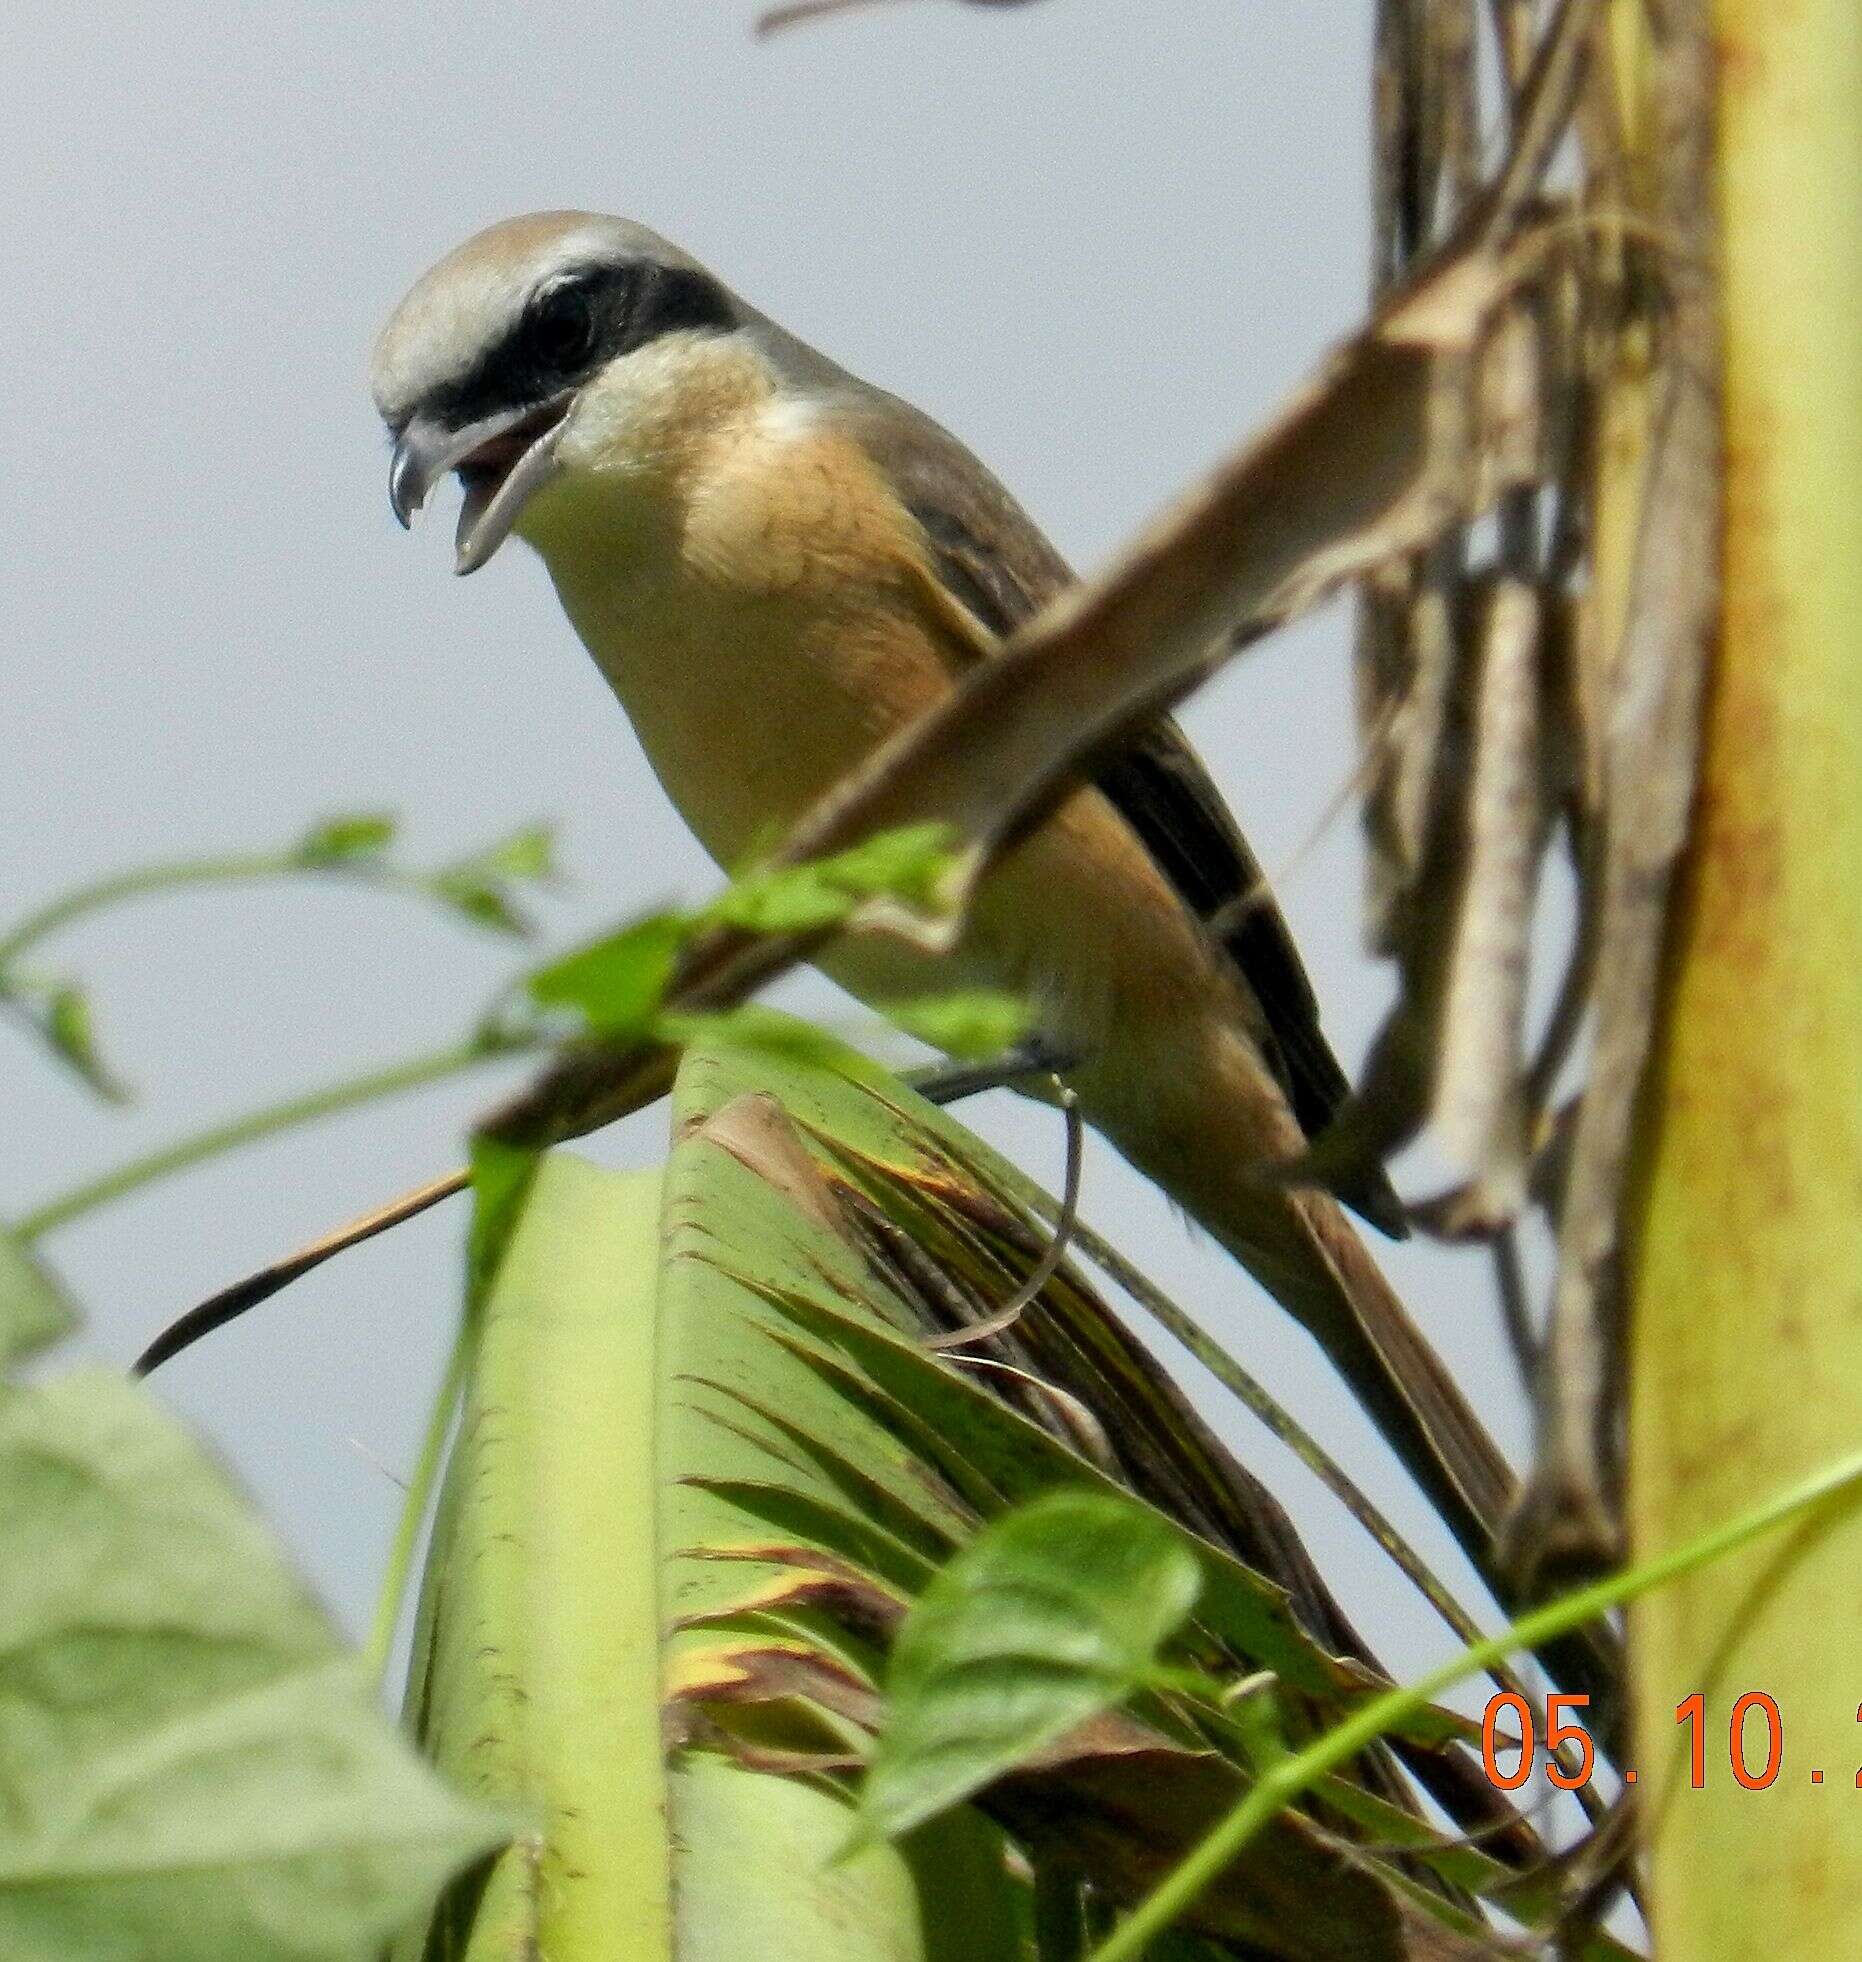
[(538, 1670), (1747, 1285)]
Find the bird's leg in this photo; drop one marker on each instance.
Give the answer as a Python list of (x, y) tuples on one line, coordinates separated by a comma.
[(950, 1083)]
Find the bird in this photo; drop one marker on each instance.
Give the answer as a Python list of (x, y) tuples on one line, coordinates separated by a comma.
[(776, 566)]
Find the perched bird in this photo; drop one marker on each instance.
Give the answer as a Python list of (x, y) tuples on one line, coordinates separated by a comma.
[(776, 565)]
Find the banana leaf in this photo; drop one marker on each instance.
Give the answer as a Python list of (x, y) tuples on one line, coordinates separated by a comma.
[(709, 1459)]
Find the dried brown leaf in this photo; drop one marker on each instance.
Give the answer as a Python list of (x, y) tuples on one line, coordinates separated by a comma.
[(1125, 1804), (1568, 1512)]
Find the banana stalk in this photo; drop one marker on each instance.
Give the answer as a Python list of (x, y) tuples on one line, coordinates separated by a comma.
[(538, 1671), (1747, 1341)]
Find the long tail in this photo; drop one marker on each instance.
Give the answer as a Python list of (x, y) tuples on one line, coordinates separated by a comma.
[(1339, 1292), (1210, 1121), (1319, 1269)]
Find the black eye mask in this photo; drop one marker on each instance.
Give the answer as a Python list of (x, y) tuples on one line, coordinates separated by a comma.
[(580, 322)]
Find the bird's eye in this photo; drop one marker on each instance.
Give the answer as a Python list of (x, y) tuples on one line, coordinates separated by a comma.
[(561, 329)]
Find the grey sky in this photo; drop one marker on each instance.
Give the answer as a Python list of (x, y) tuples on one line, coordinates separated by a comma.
[(1098, 238)]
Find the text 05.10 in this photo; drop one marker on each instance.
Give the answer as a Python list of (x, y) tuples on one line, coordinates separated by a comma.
[(1754, 1742)]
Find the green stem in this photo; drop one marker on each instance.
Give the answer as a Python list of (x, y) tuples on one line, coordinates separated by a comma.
[(1282, 1784), (414, 1506), (230, 869), (187, 1152)]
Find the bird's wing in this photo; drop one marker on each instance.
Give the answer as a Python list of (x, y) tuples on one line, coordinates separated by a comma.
[(990, 556)]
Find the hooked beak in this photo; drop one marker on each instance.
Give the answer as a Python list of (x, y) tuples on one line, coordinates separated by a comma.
[(501, 460)]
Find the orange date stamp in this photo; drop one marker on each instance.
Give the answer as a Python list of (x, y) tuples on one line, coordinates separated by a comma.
[(1511, 1748)]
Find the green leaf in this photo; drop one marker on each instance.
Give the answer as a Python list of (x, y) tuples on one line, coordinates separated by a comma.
[(34, 1309), (1048, 1617), (59, 1012), (906, 864), (478, 884), (527, 855), (352, 835), (68, 1030), (617, 983), (189, 1766), (966, 1022), (795, 899), (502, 1175), (481, 901), (753, 1026)]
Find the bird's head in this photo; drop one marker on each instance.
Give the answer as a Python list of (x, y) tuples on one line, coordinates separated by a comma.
[(517, 344)]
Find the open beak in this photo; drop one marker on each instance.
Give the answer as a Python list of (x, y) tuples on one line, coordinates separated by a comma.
[(501, 460)]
